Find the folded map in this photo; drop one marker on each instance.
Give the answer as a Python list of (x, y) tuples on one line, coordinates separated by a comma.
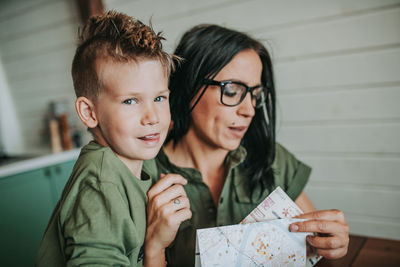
[(262, 238), (254, 244), (278, 205)]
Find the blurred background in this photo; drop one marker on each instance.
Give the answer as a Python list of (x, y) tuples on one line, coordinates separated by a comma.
[(337, 71)]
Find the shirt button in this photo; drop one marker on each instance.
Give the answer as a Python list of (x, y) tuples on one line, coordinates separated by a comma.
[(211, 210), (221, 200)]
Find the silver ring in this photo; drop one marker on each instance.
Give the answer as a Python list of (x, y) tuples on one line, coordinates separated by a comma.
[(177, 201)]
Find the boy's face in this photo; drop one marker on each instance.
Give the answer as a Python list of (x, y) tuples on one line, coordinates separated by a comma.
[(132, 108)]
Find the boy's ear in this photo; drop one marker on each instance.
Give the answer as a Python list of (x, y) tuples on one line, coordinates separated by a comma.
[(85, 109)]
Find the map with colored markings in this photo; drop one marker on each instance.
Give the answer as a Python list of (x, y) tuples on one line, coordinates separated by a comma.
[(262, 238), (254, 244)]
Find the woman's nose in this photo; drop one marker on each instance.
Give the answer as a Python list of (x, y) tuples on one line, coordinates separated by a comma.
[(246, 108)]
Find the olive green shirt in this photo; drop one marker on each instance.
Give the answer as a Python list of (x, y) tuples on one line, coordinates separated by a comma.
[(100, 219), (235, 202)]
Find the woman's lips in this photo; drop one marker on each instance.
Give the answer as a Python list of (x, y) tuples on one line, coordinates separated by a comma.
[(150, 139), (238, 131)]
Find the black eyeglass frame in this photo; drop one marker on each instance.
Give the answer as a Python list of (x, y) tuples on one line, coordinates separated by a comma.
[(222, 85)]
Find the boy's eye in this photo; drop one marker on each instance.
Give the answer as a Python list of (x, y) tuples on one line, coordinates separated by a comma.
[(160, 98), (130, 101)]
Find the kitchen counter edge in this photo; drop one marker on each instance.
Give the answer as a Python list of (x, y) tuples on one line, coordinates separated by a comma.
[(38, 162)]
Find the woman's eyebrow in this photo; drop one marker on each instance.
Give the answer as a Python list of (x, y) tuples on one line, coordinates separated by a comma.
[(240, 81)]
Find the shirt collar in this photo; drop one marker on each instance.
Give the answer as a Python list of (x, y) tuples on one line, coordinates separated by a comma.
[(232, 160), (168, 167), (235, 157)]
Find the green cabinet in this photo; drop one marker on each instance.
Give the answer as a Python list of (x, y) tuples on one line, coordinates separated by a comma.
[(26, 203), (59, 176)]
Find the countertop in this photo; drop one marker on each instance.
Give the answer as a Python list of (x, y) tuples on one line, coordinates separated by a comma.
[(38, 162)]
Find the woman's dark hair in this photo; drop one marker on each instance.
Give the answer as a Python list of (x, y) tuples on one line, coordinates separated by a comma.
[(205, 50)]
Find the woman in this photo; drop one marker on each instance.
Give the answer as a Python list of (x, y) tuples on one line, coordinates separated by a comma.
[(223, 143)]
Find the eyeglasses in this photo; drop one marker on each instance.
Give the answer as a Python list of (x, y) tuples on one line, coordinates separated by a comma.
[(233, 92)]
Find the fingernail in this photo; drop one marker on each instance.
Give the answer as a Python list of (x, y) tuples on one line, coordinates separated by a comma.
[(294, 228)]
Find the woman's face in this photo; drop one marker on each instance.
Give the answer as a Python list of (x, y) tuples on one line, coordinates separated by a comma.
[(220, 126)]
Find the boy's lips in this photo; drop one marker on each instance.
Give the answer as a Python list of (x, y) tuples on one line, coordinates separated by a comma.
[(150, 138)]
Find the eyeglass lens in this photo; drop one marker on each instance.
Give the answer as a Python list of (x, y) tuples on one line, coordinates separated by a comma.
[(233, 94)]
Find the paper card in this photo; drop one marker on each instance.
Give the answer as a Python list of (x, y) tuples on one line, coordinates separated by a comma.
[(254, 244), (278, 205)]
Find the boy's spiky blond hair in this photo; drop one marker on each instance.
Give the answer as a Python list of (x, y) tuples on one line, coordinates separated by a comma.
[(117, 37)]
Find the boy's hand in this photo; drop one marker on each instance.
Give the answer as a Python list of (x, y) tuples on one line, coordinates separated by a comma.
[(168, 206)]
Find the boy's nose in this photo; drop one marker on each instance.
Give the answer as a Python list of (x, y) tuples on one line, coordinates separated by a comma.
[(150, 116)]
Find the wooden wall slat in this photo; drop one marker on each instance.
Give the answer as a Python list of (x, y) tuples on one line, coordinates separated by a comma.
[(341, 105), (365, 68), (260, 14), (357, 200), (354, 171), (343, 35), (370, 226), (10, 9), (41, 18), (54, 61), (376, 139), (42, 41)]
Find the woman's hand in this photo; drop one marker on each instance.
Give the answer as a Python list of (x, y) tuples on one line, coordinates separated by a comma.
[(168, 206), (332, 239)]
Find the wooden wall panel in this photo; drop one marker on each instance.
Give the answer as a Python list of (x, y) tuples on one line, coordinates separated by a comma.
[(367, 171), (371, 30), (341, 105), (41, 16), (354, 199), (24, 46), (260, 15), (369, 212), (351, 138), (364, 68), (10, 9), (374, 226), (55, 61)]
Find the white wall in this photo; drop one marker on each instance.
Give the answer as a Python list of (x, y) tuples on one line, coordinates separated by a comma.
[(337, 67), (11, 141), (37, 43)]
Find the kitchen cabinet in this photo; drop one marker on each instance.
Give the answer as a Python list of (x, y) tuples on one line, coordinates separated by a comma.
[(26, 202)]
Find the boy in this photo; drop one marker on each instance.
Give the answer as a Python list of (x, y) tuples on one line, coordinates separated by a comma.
[(120, 75)]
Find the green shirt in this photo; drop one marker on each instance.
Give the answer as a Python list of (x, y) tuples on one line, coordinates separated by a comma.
[(101, 216), (235, 202)]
